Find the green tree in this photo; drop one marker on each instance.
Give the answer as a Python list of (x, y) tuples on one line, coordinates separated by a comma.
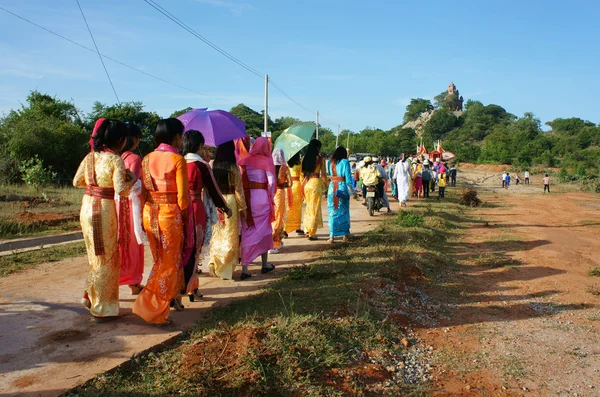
[(439, 99), (440, 124), (254, 120), (47, 127), (178, 113), (570, 126), (130, 112), (415, 108)]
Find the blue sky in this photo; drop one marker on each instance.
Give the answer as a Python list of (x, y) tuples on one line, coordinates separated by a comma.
[(357, 62)]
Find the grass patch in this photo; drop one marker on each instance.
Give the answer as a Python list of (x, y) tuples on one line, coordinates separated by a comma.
[(27, 212), (496, 261), (14, 263), (594, 272), (409, 219), (331, 328), (594, 289), (513, 368)]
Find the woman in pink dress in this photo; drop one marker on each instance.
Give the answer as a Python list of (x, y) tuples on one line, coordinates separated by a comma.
[(258, 180), (131, 247)]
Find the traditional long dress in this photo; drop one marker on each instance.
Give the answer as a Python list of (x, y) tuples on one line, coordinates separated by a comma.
[(403, 176), (314, 185), (130, 249), (202, 187), (225, 243), (102, 174), (338, 208), (257, 231), (164, 174), (294, 211), (258, 180), (282, 200)]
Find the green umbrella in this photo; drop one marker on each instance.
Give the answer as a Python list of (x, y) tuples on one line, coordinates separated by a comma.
[(295, 138)]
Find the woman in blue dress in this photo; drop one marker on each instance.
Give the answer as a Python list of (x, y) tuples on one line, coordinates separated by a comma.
[(338, 195)]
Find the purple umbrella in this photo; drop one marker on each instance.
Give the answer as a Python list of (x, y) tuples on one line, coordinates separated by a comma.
[(217, 126)]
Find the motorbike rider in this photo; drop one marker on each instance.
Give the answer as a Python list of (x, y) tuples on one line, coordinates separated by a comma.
[(370, 175), (382, 191)]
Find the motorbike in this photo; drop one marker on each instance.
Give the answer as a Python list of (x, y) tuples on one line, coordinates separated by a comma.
[(374, 200)]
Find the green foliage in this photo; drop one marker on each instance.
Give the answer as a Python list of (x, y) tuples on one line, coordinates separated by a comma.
[(439, 99), (47, 127), (415, 108), (178, 113), (255, 121), (131, 112), (440, 124), (35, 174)]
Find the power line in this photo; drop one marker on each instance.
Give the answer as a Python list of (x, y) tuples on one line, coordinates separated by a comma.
[(98, 51), (214, 46), (202, 38), (111, 59)]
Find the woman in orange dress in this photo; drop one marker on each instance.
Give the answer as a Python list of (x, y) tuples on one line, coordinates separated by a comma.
[(315, 181), (131, 244), (102, 173), (165, 180), (283, 198)]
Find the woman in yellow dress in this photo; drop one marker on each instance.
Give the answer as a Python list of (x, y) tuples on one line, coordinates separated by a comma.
[(102, 173), (225, 243), (282, 198), (315, 182), (294, 210)]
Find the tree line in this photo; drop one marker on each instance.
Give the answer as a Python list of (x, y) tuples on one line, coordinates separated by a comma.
[(56, 133)]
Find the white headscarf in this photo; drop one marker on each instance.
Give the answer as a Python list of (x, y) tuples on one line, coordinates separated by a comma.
[(278, 157)]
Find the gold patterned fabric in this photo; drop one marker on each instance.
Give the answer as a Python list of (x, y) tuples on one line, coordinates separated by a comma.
[(225, 243), (313, 192), (294, 211), (284, 180), (102, 284), (166, 192)]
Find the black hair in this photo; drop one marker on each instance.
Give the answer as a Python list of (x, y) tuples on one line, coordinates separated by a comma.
[(309, 163), (340, 154), (295, 160), (133, 131), (167, 130), (224, 165), (192, 140), (110, 135)]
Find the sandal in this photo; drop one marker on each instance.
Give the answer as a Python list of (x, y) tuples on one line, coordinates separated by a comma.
[(313, 238), (99, 320), (330, 241), (266, 269), (176, 304), (245, 276), (85, 301), (195, 295)]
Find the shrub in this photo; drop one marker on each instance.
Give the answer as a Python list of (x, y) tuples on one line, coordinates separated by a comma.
[(469, 198), (35, 174)]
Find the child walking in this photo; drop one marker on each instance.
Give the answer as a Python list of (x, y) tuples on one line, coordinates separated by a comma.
[(546, 183), (442, 183)]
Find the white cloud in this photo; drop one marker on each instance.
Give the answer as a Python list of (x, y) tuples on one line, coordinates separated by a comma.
[(235, 7)]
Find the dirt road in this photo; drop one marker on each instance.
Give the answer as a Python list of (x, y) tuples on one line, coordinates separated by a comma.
[(48, 345), (523, 320)]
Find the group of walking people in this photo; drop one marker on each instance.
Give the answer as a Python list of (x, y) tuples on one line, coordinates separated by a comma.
[(195, 218)]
